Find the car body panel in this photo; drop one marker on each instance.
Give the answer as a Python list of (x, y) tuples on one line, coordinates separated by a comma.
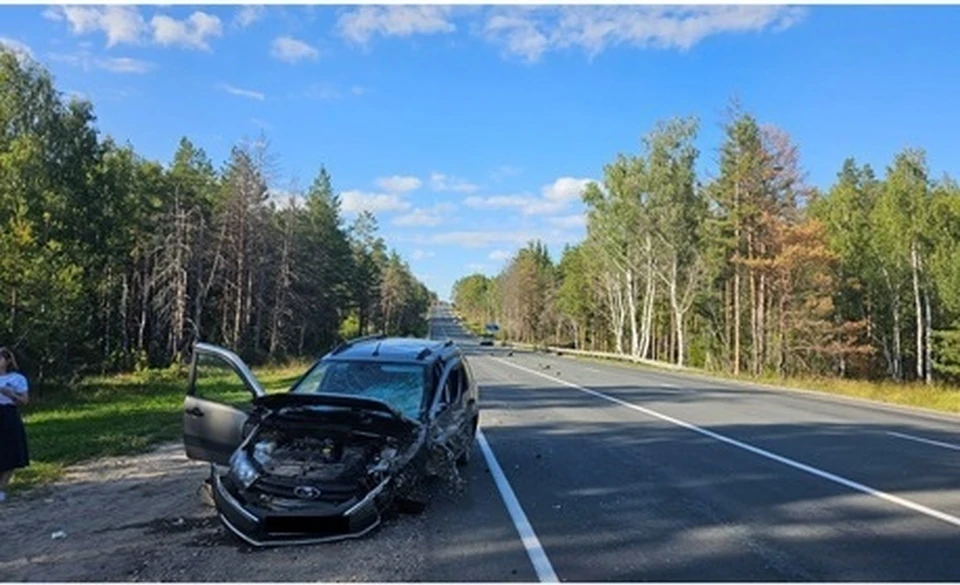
[(212, 431)]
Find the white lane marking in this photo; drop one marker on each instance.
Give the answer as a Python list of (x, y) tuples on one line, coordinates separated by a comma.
[(538, 557), (762, 452), (927, 441)]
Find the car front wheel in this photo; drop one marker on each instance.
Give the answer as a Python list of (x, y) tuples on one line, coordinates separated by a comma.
[(464, 458)]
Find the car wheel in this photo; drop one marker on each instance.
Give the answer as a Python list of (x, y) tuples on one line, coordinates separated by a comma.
[(464, 458)]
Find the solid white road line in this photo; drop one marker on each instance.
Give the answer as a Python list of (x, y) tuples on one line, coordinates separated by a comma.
[(541, 564), (902, 502), (927, 441)]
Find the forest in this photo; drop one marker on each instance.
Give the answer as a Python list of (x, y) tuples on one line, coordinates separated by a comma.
[(751, 271), (111, 262)]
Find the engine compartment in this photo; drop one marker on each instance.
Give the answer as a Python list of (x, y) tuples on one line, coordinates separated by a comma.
[(319, 456)]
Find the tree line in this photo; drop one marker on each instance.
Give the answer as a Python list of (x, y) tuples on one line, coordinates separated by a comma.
[(110, 261), (750, 271)]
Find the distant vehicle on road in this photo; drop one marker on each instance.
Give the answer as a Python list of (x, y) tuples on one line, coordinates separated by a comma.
[(490, 331), (322, 461)]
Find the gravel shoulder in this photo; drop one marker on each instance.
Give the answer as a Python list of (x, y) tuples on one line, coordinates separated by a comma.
[(141, 518)]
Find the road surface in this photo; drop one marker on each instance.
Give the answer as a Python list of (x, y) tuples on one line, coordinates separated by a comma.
[(637, 475)]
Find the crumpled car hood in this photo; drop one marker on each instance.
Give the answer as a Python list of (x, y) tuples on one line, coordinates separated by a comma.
[(331, 408)]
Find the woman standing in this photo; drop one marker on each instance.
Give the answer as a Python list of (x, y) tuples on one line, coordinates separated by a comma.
[(13, 436)]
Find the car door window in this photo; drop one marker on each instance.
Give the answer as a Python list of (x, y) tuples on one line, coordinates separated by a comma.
[(453, 388), (215, 379)]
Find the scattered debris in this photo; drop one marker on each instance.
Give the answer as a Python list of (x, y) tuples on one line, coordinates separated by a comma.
[(58, 535)]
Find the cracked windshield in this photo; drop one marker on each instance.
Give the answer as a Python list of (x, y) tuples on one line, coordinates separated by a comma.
[(660, 293), (398, 385)]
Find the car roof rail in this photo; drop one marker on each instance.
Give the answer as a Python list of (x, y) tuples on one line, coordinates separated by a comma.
[(356, 340)]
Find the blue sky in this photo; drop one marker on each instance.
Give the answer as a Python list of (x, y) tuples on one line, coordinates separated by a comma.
[(469, 130)]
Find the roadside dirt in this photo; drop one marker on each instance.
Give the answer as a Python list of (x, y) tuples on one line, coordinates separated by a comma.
[(142, 518)]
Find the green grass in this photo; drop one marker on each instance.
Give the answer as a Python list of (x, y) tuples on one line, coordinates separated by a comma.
[(120, 415)]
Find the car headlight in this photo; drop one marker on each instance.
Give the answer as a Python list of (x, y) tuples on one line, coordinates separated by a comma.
[(242, 469)]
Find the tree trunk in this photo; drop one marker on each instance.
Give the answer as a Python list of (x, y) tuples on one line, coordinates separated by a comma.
[(915, 269), (632, 310), (928, 345)]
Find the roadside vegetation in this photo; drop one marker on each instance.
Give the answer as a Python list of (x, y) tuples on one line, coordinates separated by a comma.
[(112, 262), (113, 265), (746, 270)]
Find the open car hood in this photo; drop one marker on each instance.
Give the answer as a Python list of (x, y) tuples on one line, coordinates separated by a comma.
[(332, 403)]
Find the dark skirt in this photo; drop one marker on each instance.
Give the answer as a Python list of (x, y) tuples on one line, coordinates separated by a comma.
[(13, 439)]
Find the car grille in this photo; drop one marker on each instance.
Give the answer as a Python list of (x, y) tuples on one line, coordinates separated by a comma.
[(336, 493)]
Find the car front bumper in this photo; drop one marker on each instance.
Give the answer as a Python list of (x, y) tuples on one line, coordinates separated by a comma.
[(261, 527)]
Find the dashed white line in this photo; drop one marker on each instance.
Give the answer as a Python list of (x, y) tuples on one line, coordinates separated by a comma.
[(927, 441), (538, 557), (902, 502)]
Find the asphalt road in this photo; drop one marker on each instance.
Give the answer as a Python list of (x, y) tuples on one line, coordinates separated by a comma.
[(638, 475)]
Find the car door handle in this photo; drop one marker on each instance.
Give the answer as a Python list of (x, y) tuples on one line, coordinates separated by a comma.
[(195, 411)]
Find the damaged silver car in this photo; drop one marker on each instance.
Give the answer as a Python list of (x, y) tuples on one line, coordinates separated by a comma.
[(358, 433)]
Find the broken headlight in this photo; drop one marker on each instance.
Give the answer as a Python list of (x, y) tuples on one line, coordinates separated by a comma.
[(242, 469)]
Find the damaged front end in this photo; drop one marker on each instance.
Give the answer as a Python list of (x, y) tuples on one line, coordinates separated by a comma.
[(318, 468)]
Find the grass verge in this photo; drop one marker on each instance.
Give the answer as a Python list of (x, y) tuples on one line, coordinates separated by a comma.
[(116, 415)]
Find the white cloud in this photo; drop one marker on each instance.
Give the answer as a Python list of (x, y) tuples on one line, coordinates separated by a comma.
[(482, 239), (425, 217), (565, 189), (398, 184), (19, 49), (530, 32), (569, 221), (556, 197), (358, 90), (419, 254), (88, 62), (124, 65), (292, 50), (191, 33), (357, 201), (363, 23), (120, 24), (499, 255), (498, 201), (441, 182), (239, 91), (249, 15)]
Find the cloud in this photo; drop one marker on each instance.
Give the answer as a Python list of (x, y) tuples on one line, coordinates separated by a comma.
[(292, 50), (357, 201), (569, 221), (555, 198), (425, 217), (358, 90), (482, 239), (498, 201), (124, 65), (120, 24), (191, 33), (125, 25), (476, 267), (88, 62), (440, 182), (361, 24), (263, 125), (398, 184), (419, 254), (247, 93), (248, 15), (19, 49), (499, 255), (528, 33)]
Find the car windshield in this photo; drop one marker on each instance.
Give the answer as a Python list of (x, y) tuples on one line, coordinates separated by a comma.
[(399, 385)]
